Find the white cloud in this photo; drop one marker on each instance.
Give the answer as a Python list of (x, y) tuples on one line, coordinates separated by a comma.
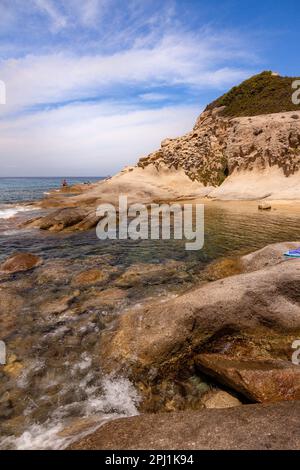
[(46, 129), (150, 97), (34, 80), (90, 10)]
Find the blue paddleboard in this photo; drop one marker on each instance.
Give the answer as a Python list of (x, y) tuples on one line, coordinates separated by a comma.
[(293, 253)]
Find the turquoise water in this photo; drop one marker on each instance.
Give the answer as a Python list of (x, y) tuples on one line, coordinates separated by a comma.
[(14, 190)]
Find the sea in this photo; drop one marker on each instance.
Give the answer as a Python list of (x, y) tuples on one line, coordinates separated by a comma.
[(15, 190)]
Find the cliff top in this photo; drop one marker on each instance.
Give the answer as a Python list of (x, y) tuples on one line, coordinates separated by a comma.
[(266, 93)]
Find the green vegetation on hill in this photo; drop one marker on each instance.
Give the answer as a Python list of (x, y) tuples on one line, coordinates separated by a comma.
[(265, 93)]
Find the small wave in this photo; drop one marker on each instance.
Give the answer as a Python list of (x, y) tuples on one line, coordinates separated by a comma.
[(9, 233), (115, 398), (9, 212)]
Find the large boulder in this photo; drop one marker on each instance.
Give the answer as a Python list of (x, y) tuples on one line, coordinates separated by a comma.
[(250, 427), (251, 317)]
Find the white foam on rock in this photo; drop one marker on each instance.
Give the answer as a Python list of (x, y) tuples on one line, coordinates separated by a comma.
[(117, 398)]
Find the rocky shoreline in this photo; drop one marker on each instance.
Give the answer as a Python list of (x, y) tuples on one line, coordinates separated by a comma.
[(225, 344), (240, 332)]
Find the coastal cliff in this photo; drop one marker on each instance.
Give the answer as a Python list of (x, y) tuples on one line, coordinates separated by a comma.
[(245, 145)]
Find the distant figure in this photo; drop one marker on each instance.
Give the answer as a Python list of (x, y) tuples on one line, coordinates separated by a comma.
[(64, 183)]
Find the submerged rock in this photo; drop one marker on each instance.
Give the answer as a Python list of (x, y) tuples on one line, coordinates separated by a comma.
[(139, 274), (91, 276)]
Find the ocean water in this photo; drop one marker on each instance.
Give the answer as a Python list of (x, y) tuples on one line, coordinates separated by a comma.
[(14, 190)]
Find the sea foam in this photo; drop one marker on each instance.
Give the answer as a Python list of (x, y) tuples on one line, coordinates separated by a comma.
[(9, 212)]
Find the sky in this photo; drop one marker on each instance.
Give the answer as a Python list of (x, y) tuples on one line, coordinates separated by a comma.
[(91, 86)]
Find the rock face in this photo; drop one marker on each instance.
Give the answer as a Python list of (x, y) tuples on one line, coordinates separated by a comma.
[(241, 137), (239, 330), (251, 427), (219, 147), (20, 262), (200, 153)]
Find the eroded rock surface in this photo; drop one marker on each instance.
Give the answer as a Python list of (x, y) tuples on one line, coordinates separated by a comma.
[(218, 146)]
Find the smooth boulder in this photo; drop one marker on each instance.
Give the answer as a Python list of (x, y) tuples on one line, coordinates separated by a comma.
[(250, 427), (20, 262)]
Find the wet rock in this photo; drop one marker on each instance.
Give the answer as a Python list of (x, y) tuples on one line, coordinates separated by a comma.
[(91, 276), (79, 426), (139, 274), (259, 380), (108, 298), (256, 427), (20, 262), (11, 306), (59, 305), (89, 222), (13, 369), (181, 393), (61, 219), (54, 272)]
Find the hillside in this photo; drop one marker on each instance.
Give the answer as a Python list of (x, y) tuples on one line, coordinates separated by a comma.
[(265, 93)]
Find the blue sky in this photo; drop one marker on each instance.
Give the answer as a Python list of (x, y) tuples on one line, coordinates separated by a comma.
[(93, 85)]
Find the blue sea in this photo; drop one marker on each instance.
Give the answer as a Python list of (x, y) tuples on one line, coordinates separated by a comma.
[(20, 190)]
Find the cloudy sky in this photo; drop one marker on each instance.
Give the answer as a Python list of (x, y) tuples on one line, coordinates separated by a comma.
[(93, 85)]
